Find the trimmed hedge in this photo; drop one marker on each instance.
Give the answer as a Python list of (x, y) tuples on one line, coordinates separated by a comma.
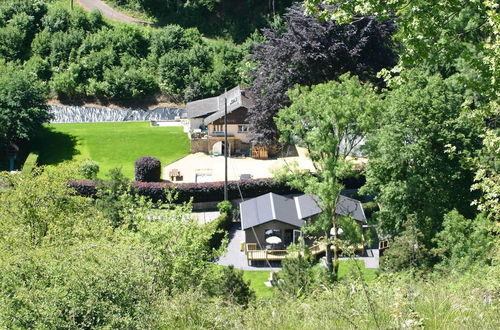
[(213, 191), (202, 192), (85, 188), (148, 169)]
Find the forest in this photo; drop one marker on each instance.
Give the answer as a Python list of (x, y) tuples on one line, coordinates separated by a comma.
[(411, 85)]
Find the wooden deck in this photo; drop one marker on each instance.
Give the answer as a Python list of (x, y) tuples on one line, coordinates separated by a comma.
[(277, 255)]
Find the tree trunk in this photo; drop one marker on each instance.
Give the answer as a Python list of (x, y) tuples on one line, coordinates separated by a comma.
[(335, 247), (329, 257)]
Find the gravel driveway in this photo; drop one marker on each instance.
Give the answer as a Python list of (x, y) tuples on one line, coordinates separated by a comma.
[(108, 12)]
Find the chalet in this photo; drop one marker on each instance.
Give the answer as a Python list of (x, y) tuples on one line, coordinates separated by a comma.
[(206, 123), (271, 222)]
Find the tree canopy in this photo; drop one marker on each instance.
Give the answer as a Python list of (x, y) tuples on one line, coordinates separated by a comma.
[(410, 169), (309, 52), (22, 104), (331, 121)]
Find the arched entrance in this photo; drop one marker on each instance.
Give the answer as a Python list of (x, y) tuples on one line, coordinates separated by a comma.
[(219, 147)]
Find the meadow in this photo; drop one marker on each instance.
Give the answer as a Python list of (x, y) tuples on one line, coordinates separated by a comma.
[(110, 144)]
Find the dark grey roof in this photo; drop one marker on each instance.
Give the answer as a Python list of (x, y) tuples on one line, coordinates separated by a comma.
[(293, 211), (271, 207), (351, 208), (307, 206), (213, 107)]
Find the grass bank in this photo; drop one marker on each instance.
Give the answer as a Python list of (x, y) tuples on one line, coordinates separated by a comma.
[(111, 144)]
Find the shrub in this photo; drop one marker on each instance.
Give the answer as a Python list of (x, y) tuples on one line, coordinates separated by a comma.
[(406, 252), (89, 169), (296, 277), (230, 284), (219, 228), (225, 207), (147, 169), (85, 188), (464, 242)]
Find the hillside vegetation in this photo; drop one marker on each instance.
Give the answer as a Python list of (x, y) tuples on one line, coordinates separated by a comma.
[(229, 19), (84, 57)]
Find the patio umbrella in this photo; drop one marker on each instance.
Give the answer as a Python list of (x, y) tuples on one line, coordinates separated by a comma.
[(273, 240), (339, 231)]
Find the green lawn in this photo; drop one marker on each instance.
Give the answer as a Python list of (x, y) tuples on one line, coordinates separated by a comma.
[(111, 144), (346, 268), (257, 279)]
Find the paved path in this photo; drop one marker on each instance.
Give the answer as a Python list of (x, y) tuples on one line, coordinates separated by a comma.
[(237, 258), (109, 12)]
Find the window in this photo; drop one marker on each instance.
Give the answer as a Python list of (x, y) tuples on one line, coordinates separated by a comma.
[(242, 128), (219, 128)]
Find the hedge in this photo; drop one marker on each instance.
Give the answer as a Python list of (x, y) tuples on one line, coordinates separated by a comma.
[(203, 192), (220, 227), (86, 188)]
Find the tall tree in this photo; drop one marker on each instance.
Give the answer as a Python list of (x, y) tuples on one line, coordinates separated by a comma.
[(445, 37), (410, 168), (22, 104), (309, 52), (331, 121)]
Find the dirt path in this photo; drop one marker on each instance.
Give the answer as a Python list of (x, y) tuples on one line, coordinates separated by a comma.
[(109, 12)]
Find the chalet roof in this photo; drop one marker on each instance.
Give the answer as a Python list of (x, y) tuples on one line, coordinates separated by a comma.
[(213, 107), (294, 211), (272, 206), (350, 207)]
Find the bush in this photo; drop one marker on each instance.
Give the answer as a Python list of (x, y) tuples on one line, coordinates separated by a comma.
[(148, 169), (464, 242), (225, 207), (296, 277), (230, 284), (30, 163), (219, 228), (406, 252), (85, 188), (89, 169)]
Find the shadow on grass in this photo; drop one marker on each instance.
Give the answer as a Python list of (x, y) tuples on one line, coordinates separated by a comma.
[(55, 147)]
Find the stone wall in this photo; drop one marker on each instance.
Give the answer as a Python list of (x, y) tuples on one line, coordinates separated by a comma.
[(199, 145)]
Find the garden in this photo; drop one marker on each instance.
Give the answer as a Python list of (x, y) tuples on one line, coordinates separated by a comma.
[(110, 144)]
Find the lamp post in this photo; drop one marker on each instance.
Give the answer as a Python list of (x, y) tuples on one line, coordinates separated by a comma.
[(225, 145)]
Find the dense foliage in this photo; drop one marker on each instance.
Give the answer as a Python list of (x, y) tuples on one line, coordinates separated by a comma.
[(311, 52), (410, 170), (63, 263), (22, 105), (221, 18), (84, 57)]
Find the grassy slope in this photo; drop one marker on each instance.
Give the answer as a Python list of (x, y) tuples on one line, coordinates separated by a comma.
[(111, 144)]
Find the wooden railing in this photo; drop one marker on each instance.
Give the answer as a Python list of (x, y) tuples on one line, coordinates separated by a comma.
[(273, 255)]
